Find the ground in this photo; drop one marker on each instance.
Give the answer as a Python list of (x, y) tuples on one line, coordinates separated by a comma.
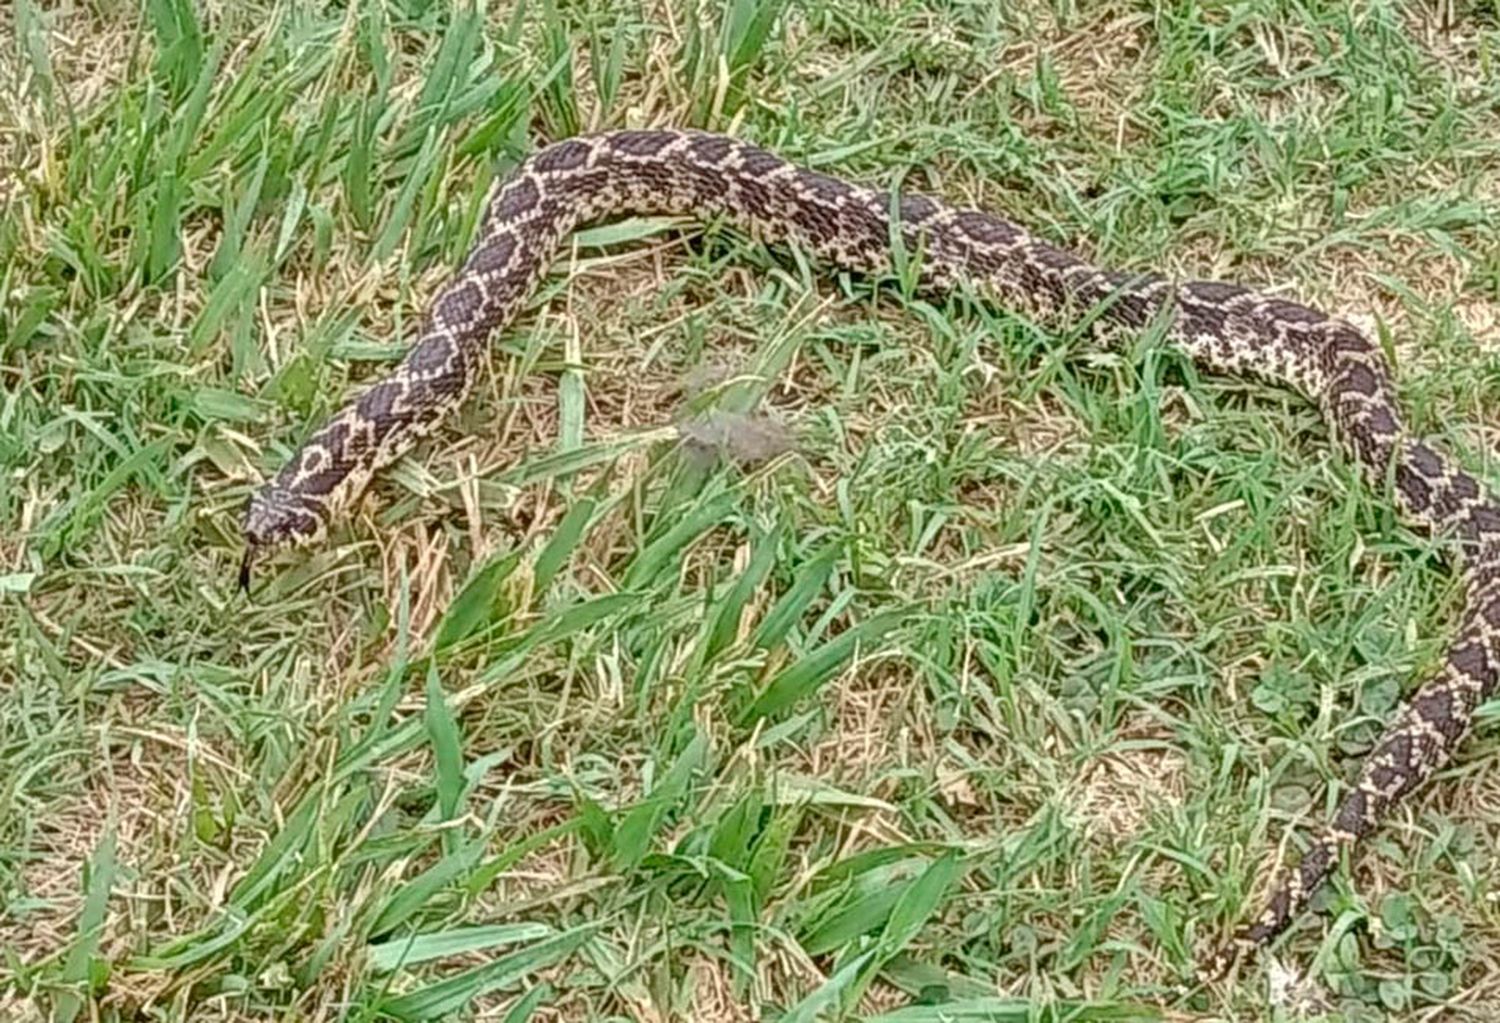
[(995, 688)]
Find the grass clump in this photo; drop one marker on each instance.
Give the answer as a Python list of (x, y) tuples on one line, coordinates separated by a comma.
[(994, 692)]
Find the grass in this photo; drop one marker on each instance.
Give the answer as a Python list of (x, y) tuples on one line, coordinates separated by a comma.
[(995, 699)]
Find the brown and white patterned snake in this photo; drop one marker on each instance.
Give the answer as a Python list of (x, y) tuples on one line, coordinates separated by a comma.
[(1223, 327)]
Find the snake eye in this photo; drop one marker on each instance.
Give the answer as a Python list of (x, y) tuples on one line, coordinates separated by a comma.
[(276, 517)]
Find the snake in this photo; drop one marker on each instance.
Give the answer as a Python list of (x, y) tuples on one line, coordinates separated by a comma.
[(1225, 328)]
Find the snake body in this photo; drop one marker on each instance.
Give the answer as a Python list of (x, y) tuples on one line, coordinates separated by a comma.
[(1223, 327)]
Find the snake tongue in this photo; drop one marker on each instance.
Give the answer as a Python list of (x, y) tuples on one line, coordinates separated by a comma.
[(245, 568)]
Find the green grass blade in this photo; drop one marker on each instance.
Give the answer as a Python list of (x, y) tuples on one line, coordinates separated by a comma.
[(406, 952), (189, 117), (564, 464), (74, 522), (164, 246), (447, 753), (657, 557), (78, 970), (179, 42), (280, 854), (563, 542), (357, 165), (812, 576), (918, 902), (480, 604), (558, 95), (528, 1003), (446, 997), (914, 907), (861, 915), (632, 838), (827, 995), (410, 898), (454, 53), (726, 616), (801, 678), (31, 38), (746, 30), (241, 212), (406, 198), (230, 298)]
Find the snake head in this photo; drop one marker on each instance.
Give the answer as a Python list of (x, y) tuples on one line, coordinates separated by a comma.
[(277, 517)]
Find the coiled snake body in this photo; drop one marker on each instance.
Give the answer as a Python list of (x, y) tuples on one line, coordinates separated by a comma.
[(1223, 327)]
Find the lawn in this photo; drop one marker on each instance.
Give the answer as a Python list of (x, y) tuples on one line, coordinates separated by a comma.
[(996, 693)]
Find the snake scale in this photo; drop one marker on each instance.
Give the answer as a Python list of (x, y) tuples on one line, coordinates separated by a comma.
[(1223, 327)]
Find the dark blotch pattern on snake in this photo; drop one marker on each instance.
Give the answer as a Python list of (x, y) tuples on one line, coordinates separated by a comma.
[(1223, 327)]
